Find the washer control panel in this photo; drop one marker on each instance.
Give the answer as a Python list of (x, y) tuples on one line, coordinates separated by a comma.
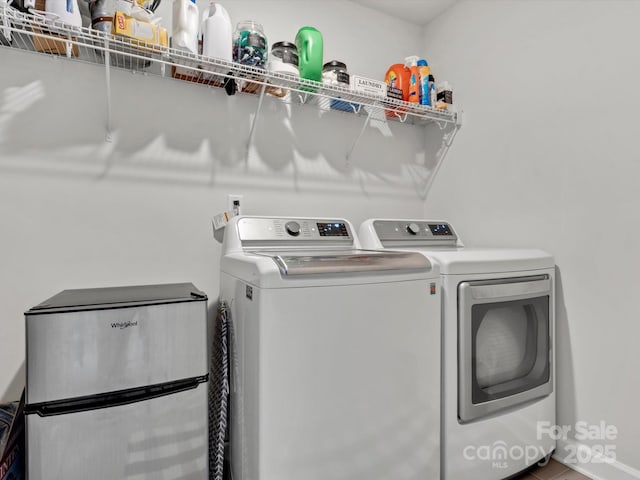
[(294, 230), (420, 231)]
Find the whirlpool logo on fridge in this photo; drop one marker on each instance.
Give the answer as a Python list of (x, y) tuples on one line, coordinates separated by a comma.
[(123, 325)]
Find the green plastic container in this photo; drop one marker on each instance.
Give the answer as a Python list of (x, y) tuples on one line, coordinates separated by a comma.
[(310, 53)]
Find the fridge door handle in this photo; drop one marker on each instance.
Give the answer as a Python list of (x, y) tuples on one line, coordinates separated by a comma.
[(112, 399)]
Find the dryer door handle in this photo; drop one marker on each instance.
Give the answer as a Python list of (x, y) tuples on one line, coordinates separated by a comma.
[(496, 291)]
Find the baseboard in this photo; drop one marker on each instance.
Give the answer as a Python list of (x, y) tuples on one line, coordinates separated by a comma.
[(597, 466)]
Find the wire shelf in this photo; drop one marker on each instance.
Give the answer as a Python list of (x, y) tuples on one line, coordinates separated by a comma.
[(40, 33)]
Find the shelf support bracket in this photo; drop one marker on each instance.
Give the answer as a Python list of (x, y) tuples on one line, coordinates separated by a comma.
[(107, 69), (401, 118), (447, 141), (252, 132), (68, 47), (357, 140)]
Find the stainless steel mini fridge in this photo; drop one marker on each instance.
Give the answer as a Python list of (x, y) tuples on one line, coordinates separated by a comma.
[(117, 384)]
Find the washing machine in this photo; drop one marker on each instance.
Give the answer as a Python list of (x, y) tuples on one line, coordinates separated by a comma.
[(498, 395), (334, 354)]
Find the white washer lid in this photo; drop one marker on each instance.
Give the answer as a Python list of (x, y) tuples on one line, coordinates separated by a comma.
[(265, 271), (465, 260)]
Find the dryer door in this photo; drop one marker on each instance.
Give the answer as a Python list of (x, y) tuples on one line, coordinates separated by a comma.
[(504, 344)]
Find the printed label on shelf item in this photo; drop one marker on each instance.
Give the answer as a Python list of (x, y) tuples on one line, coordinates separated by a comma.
[(143, 30), (343, 77), (394, 93), (368, 86)]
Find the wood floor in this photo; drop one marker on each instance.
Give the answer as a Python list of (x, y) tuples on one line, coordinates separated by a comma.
[(553, 471)]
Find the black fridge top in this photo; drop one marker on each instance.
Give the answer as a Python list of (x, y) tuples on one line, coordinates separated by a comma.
[(118, 297)]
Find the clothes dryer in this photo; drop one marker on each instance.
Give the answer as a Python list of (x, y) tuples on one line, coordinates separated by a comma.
[(334, 375), (497, 346)]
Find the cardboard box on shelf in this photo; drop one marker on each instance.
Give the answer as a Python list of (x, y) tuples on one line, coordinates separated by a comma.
[(198, 76), (48, 42), (145, 32), (195, 74)]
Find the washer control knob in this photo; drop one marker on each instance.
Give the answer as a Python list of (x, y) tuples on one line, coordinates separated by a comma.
[(293, 228), (413, 228)]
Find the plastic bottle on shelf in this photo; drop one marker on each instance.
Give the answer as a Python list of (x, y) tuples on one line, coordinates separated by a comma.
[(334, 73), (250, 46), (283, 60), (445, 96), (67, 10), (310, 53), (433, 96), (64, 11), (216, 32), (397, 79), (424, 70), (102, 12), (184, 25), (414, 82)]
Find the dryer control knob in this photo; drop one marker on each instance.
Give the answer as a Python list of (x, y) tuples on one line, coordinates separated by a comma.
[(413, 228), (293, 228)]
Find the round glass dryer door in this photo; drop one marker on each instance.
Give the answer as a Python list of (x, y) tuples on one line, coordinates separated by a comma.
[(504, 350)]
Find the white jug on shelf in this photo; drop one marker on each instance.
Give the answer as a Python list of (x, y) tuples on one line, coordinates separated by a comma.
[(184, 25), (65, 11), (216, 32)]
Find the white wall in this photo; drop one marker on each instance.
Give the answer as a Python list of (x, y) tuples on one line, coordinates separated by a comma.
[(77, 211), (548, 157)]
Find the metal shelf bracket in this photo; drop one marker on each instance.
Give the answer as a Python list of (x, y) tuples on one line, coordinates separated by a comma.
[(357, 139), (252, 132), (107, 70), (401, 118)]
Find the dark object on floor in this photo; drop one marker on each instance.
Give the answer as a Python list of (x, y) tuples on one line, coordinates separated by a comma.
[(12, 446), (7, 412)]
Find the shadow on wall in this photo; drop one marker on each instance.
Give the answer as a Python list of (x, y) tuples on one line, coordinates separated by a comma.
[(176, 132), (15, 387), (436, 146)]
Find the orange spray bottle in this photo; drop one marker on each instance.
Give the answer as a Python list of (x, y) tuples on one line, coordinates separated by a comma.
[(414, 83)]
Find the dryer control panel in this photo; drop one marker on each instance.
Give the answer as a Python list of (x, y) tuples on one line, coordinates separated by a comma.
[(414, 232), (291, 231)]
